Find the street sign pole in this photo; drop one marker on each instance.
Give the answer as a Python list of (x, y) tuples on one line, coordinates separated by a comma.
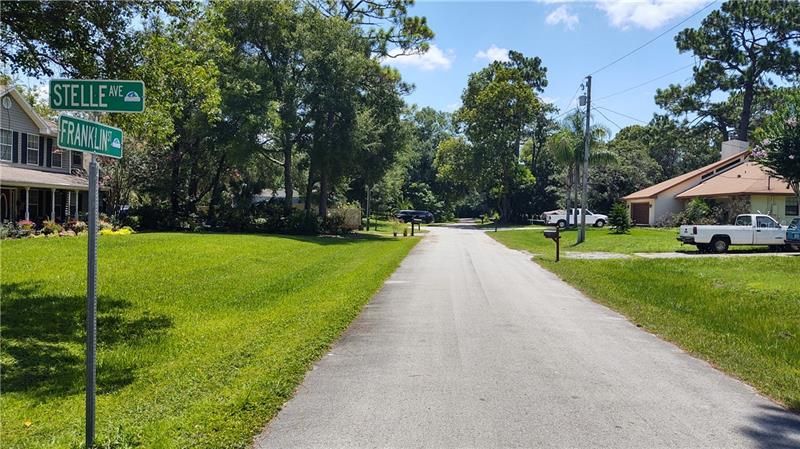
[(92, 137), (91, 304)]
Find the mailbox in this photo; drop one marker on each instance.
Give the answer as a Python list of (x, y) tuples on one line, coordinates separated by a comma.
[(415, 221), (554, 235)]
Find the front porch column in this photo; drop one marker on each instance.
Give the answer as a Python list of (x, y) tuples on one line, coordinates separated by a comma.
[(27, 202), (53, 205), (77, 202)]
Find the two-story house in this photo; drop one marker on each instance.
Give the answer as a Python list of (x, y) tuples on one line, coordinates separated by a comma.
[(38, 180)]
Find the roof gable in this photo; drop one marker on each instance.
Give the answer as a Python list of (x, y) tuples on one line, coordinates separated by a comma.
[(39, 122), (654, 190)]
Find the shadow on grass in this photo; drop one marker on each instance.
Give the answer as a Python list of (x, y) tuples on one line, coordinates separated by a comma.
[(775, 428), (44, 340), (325, 240)]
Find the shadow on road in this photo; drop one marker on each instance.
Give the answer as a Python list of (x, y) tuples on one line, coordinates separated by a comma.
[(774, 428)]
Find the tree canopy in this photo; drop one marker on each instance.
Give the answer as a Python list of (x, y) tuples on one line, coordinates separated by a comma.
[(740, 48)]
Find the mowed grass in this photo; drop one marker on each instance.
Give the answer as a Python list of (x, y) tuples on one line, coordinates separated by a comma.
[(740, 314), (201, 337), (639, 240)]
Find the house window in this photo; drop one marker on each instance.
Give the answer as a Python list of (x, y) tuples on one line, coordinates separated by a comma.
[(77, 159), (56, 159), (6, 148), (33, 149), (792, 209)]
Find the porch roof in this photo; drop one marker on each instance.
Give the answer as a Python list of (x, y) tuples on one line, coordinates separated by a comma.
[(11, 176)]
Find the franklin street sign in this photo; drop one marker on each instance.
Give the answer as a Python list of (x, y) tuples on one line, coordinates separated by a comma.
[(91, 137)]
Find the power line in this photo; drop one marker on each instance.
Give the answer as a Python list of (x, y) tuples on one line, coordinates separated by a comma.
[(573, 95), (604, 116), (621, 114), (646, 82), (570, 110), (653, 39)]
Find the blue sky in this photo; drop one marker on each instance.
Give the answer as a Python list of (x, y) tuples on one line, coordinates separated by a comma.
[(573, 39)]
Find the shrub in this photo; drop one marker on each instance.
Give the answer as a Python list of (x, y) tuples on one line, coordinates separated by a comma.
[(7, 231), (397, 226), (696, 212), (618, 219), (78, 226), (50, 227), (300, 222), (122, 231)]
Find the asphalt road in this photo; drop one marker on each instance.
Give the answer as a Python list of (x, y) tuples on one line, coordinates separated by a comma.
[(472, 345)]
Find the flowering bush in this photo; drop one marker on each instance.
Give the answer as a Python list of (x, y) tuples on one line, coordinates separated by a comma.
[(121, 231), (26, 225)]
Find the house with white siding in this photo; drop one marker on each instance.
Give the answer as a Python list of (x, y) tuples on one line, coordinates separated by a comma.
[(38, 180)]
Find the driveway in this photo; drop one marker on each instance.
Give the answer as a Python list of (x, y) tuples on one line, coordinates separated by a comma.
[(472, 345)]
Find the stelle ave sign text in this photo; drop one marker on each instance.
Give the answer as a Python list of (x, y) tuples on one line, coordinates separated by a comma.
[(97, 95), (91, 137)]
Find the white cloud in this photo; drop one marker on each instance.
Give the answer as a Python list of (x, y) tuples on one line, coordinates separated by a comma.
[(550, 100), (562, 15), (433, 59), (648, 14), (493, 53), (452, 107)]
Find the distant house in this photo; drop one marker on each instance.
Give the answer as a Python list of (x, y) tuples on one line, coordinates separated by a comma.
[(734, 178), (38, 180), (278, 195)]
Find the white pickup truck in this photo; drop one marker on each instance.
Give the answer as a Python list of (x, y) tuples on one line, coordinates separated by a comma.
[(748, 229), (559, 217)]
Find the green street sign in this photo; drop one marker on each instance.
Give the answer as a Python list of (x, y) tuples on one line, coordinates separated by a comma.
[(90, 137), (97, 95)]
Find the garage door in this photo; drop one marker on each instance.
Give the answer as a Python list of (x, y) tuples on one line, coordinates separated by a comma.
[(640, 213)]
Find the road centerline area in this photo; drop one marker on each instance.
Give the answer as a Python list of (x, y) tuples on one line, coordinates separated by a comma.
[(470, 344)]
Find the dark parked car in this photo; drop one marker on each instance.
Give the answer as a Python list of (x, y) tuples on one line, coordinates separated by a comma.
[(793, 234), (407, 215)]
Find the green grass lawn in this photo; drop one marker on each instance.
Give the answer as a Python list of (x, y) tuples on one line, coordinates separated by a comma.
[(639, 240), (201, 337), (740, 314)]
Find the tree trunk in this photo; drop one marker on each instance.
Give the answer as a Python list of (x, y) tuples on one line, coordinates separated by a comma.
[(212, 202), (174, 196), (309, 188), (323, 194), (287, 175), (747, 106)]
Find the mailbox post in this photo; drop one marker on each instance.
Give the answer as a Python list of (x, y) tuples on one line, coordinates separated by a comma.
[(554, 235)]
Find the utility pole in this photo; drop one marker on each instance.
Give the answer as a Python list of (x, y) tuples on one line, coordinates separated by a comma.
[(585, 174), (369, 212)]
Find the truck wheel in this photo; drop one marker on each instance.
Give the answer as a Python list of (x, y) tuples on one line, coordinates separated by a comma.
[(562, 224), (719, 245), (600, 223)]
